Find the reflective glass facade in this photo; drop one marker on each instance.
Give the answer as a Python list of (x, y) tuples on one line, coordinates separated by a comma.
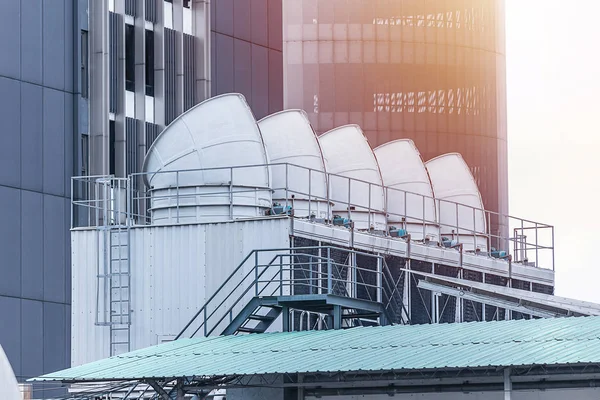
[(247, 52), (429, 70)]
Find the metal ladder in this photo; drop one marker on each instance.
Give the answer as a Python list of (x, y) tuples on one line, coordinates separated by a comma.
[(113, 297), (120, 293)]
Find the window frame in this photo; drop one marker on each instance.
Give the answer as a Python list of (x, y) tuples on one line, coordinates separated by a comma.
[(130, 57)]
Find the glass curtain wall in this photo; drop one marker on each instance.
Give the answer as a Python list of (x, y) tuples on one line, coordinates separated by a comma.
[(429, 70)]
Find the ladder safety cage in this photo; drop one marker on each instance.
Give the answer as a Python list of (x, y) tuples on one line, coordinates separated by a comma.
[(108, 205)]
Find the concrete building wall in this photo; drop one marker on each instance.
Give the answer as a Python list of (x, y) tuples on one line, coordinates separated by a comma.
[(39, 137)]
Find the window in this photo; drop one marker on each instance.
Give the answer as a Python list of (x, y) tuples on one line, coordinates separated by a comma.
[(129, 58), (111, 147), (186, 3), (85, 155), (84, 64), (149, 63)]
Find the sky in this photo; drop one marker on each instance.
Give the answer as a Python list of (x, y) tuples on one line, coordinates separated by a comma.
[(553, 84)]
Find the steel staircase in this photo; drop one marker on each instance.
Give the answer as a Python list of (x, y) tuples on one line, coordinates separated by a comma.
[(256, 317), (269, 285)]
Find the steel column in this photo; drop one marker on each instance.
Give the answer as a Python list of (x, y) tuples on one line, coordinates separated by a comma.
[(337, 317), (285, 315), (380, 279), (507, 384), (406, 292)]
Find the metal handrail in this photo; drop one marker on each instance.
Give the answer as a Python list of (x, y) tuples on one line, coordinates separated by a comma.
[(211, 298), (277, 282), (208, 332), (138, 200)]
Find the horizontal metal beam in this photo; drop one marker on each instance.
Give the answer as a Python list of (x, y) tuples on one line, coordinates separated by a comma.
[(541, 301), (373, 382), (484, 379), (480, 298), (331, 300)]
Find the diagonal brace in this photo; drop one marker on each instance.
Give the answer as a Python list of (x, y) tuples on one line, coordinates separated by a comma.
[(158, 389)]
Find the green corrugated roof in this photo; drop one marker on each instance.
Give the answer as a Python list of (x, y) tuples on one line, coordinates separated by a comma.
[(557, 341)]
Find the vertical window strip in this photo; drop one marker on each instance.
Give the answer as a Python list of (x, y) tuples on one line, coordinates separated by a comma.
[(170, 78), (189, 67)]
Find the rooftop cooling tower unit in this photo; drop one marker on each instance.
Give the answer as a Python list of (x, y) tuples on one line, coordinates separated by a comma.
[(296, 163), (410, 203), (460, 208), (189, 167), (356, 185)]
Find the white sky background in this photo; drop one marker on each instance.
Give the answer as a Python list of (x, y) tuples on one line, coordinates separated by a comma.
[(553, 80)]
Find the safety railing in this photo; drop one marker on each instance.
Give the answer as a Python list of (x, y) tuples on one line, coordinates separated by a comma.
[(438, 220), (100, 201), (291, 272)]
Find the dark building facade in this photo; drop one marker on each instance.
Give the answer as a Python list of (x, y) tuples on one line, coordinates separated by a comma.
[(246, 52), (40, 103), (429, 70)]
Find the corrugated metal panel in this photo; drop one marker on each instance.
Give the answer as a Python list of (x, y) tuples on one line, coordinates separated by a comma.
[(130, 7), (84, 253), (131, 146), (152, 132), (115, 49), (150, 10), (132, 151), (437, 346), (167, 272), (173, 269), (189, 68), (170, 78)]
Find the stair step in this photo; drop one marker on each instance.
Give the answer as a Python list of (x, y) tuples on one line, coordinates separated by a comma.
[(273, 306), (249, 330), (361, 316), (257, 317)]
